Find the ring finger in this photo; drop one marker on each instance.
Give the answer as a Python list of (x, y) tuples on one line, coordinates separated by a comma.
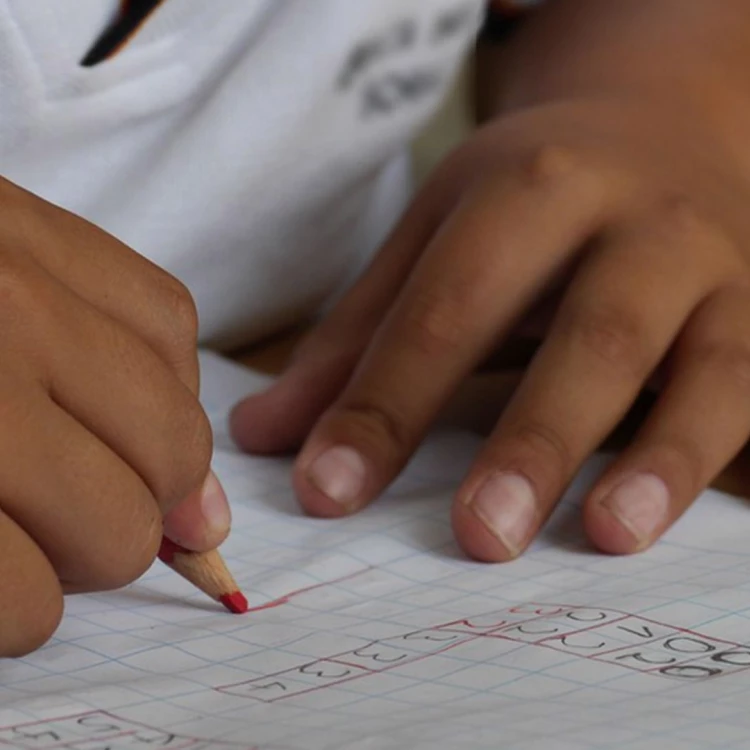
[(88, 511), (600, 350), (698, 425)]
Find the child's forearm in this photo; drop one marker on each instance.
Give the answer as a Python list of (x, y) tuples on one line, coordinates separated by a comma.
[(694, 54)]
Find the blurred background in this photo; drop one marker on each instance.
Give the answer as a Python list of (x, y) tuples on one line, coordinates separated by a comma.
[(450, 126)]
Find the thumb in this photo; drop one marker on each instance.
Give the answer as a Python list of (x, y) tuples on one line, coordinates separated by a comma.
[(201, 522)]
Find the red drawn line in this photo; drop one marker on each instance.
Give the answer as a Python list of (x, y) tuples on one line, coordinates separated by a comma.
[(50, 721), (637, 617), (21, 741), (687, 631), (235, 689), (118, 732), (311, 689), (232, 689), (487, 630), (366, 670), (286, 599), (492, 631), (130, 728), (624, 616), (583, 606), (598, 626), (415, 659)]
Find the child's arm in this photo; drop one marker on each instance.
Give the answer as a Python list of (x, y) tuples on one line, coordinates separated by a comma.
[(607, 194), (101, 431)]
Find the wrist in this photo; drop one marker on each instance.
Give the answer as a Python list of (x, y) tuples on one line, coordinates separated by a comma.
[(690, 57)]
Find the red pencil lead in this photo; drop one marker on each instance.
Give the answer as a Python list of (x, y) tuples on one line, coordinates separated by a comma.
[(235, 603)]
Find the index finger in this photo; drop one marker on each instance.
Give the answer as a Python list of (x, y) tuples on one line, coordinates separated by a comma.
[(106, 273), (496, 253)]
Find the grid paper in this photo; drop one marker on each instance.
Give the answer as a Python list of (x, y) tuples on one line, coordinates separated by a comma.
[(375, 632)]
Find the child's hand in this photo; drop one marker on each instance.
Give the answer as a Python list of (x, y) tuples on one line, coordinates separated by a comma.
[(629, 216), (101, 432)]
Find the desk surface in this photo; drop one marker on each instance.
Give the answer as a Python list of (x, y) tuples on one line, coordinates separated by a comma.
[(272, 356)]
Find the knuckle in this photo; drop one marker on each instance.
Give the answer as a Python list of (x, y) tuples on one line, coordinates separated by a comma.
[(730, 358), (686, 457), (35, 626), (678, 220), (677, 214), (614, 336), (191, 462), (376, 425), (136, 555), (436, 324), (198, 450), (20, 299), (549, 163), (546, 442), (180, 319)]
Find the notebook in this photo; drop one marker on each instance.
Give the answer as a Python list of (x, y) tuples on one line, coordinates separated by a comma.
[(376, 633)]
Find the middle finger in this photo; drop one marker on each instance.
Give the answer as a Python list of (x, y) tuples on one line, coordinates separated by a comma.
[(615, 324), (493, 256)]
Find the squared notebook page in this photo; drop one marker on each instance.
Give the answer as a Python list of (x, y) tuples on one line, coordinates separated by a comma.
[(374, 632)]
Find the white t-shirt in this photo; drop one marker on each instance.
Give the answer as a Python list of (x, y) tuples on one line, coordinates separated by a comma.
[(253, 148)]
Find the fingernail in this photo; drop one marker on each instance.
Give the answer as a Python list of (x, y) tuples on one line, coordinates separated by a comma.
[(506, 504), (640, 504), (340, 475), (214, 505)]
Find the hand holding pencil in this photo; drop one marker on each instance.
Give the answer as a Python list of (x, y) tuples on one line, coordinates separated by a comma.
[(105, 446)]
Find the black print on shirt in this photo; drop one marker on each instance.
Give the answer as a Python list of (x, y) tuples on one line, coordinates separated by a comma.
[(387, 94), (456, 22), (384, 92), (401, 37)]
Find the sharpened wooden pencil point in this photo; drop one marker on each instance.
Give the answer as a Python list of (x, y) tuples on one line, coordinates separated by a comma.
[(207, 571)]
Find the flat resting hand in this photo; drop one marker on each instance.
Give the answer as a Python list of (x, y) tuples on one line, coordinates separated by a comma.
[(615, 225)]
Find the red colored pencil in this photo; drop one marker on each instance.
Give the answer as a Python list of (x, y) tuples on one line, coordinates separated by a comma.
[(208, 572)]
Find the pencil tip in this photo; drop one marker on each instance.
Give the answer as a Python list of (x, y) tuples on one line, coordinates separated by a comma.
[(235, 603)]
